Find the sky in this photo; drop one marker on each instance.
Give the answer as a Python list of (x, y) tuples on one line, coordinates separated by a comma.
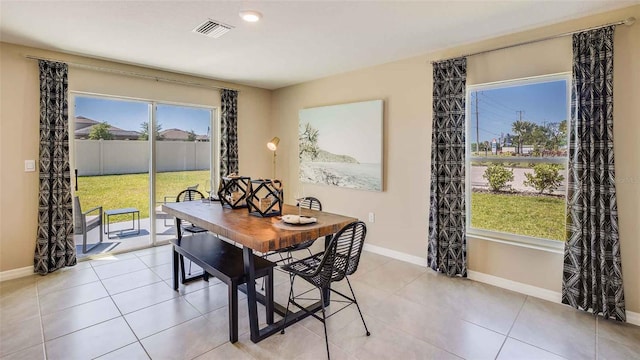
[(349, 129), (128, 115), (497, 108)]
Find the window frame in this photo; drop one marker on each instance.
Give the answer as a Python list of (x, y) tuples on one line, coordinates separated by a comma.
[(550, 245)]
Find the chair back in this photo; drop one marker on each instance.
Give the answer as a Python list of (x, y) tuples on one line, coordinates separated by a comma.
[(310, 202), (77, 216), (342, 256), (189, 195)]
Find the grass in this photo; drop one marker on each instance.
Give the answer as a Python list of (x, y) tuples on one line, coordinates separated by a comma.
[(536, 216), (132, 190)]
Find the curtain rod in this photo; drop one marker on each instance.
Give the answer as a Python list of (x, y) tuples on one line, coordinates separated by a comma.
[(133, 74), (628, 21)]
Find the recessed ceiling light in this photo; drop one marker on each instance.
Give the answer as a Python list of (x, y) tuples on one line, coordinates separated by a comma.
[(250, 15)]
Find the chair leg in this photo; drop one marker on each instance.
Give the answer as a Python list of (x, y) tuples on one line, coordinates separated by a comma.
[(358, 306), (284, 319), (324, 323)]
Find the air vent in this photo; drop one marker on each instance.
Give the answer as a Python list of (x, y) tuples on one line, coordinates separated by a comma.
[(212, 29)]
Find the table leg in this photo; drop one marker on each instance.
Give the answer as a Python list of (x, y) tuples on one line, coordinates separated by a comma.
[(176, 260), (176, 256), (249, 269)]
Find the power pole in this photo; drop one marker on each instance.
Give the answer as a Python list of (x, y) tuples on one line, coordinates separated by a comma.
[(520, 112), (477, 127)]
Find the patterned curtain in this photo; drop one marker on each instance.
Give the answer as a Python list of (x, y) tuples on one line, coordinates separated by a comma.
[(592, 277), (55, 247), (447, 251), (229, 132)]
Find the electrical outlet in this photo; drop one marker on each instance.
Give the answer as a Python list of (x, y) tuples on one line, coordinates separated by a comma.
[(372, 217)]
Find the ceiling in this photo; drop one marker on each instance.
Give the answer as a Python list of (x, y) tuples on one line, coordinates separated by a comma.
[(296, 41)]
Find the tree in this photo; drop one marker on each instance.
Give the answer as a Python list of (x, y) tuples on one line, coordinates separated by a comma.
[(191, 136), (145, 131), (101, 132), (544, 177), (523, 130), (498, 176), (309, 142), (556, 135)]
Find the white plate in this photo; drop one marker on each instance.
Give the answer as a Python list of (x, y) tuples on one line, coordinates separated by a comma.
[(298, 220)]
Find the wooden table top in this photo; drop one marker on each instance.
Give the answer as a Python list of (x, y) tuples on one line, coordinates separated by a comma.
[(260, 234)]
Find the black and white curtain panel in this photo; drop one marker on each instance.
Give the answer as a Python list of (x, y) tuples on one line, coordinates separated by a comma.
[(229, 132), (592, 277), (447, 237), (55, 246)]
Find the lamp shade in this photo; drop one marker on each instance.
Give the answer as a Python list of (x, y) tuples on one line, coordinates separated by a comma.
[(273, 144)]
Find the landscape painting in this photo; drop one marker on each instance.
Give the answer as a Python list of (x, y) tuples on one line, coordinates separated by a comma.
[(341, 145)]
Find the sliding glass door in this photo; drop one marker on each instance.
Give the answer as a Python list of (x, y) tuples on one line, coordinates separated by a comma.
[(183, 150), (130, 157)]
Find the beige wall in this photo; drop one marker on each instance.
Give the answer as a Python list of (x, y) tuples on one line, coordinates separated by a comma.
[(19, 131), (406, 86)]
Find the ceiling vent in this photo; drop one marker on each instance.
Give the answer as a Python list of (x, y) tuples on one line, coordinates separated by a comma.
[(212, 29)]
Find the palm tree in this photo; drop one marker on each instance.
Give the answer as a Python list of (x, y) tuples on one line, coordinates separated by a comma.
[(523, 129)]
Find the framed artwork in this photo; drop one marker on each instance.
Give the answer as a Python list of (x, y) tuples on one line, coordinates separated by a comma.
[(341, 145)]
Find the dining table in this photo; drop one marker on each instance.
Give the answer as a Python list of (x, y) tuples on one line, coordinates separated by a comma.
[(263, 235)]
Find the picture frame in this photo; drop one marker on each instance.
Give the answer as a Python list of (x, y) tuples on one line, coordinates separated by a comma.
[(342, 145)]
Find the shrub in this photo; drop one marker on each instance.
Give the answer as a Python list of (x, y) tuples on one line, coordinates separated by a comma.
[(544, 177), (498, 176)]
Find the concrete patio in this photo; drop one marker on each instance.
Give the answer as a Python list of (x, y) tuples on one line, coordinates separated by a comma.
[(125, 240)]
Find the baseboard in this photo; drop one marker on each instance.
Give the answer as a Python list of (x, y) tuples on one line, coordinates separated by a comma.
[(522, 288), (633, 318), (16, 273), (395, 255), (538, 292)]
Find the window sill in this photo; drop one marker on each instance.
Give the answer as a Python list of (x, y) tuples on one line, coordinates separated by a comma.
[(552, 246)]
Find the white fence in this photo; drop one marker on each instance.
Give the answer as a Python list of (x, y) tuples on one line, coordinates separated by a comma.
[(107, 157)]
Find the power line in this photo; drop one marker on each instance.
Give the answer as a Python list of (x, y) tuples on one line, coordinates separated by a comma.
[(495, 108), (498, 102)]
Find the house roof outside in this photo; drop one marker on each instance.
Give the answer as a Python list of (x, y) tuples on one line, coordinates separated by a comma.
[(84, 126), (180, 135), (83, 122)]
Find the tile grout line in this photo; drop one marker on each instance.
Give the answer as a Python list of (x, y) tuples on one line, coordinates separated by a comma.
[(530, 344), (596, 338), (512, 325), (44, 347), (123, 318)]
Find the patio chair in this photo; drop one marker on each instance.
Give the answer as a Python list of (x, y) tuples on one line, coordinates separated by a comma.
[(83, 222), (161, 215), (339, 260)]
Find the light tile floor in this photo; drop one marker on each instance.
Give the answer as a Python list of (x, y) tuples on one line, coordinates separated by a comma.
[(123, 307)]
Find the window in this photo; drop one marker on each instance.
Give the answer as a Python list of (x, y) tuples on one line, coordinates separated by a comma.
[(517, 145)]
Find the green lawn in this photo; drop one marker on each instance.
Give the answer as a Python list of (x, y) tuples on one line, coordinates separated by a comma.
[(132, 190), (541, 217)]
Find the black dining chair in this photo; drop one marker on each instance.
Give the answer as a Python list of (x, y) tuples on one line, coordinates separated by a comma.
[(339, 260), (190, 194), (308, 202)]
